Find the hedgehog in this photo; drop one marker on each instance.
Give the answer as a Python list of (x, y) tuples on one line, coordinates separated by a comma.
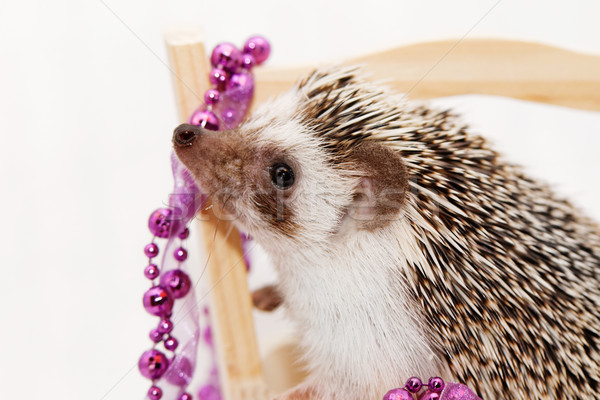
[(406, 246)]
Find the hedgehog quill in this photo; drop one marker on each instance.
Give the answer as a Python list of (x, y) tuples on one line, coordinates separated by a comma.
[(406, 246)]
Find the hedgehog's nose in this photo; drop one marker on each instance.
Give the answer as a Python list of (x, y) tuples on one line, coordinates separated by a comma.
[(185, 135)]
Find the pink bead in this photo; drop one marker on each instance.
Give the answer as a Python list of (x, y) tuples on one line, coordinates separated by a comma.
[(155, 393), (155, 335), (212, 96), (248, 61), (259, 48), (436, 384), (151, 250), (206, 119), (177, 281), (151, 271), (180, 254), (218, 77), (153, 364), (185, 396), (398, 394), (429, 395), (241, 86), (413, 384), (163, 223), (158, 301), (165, 326), (458, 391), (171, 343), (227, 56), (180, 371), (184, 235)]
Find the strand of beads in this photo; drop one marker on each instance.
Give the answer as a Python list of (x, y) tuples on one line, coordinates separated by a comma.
[(227, 102), (435, 391), (160, 298)]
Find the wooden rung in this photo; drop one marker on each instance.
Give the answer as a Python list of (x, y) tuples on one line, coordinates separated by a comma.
[(526, 71)]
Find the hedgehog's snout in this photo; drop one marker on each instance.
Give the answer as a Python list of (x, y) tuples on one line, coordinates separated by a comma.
[(185, 135)]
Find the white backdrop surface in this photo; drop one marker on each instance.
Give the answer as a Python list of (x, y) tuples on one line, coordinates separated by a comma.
[(86, 115)]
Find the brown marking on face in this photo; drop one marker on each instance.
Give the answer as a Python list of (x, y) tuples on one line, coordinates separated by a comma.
[(382, 192), (220, 165), (273, 204), (276, 212), (235, 174)]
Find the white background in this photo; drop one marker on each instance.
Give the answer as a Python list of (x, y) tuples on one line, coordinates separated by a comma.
[(86, 115)]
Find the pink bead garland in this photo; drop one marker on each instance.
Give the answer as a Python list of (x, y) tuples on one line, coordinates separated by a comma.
[(160, 298), (226, 103), (231, 75)]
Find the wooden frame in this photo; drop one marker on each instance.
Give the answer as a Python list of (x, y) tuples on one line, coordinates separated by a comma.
[(521, 70)]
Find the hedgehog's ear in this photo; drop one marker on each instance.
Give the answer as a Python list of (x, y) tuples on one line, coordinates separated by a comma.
[(379, 197)]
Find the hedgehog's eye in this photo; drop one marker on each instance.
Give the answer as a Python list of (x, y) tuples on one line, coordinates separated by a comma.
[(282, 176)]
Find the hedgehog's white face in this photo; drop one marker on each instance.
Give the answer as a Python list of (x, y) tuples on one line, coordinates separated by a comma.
[(281, 184)]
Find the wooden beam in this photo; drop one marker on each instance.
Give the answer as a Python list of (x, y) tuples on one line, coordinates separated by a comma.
[(521, 70)]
